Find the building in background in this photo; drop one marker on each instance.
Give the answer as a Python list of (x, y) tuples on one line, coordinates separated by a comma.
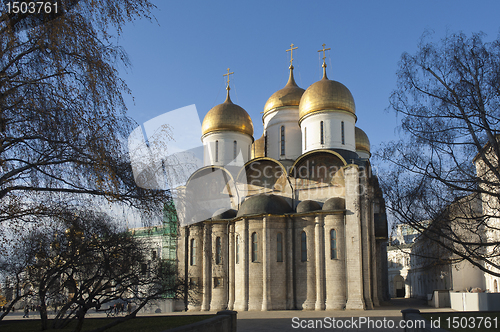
[(162, 241)]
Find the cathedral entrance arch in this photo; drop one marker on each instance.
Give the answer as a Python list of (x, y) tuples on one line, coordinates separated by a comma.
[(399, 286)]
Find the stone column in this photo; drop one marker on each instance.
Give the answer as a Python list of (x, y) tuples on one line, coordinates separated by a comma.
[(365, 237), (354, 264), (310, 302), (266, 272), (320, 263), (219, 292), (195, 271), (375, 267), (335, 272), (290, 303), (231, 236), (246, 260), (207, 267)]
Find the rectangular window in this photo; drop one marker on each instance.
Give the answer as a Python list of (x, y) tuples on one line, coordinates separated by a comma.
[(282, 137), (216, 151), (322, 133), (218, 251), (342, 132), (193, 252), (217, 282), (237, 249), (254, 247), (153, 254), (265, 144), (279, 248), (333, 244)]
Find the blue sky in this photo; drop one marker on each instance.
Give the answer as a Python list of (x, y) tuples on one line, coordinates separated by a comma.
[(180, 59)]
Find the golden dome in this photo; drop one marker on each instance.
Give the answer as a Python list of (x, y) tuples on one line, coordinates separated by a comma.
[(227, 117), (288, 96), (258, 148), (326, 95), (362, 141)]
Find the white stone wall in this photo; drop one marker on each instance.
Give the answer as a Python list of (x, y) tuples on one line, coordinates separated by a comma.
[(224, 154), (289, 118), (311, 131)]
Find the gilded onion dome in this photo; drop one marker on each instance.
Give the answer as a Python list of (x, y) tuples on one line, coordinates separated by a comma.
[(258, 148), (288, 96), (326, 95), (227, 117), (362, 141)]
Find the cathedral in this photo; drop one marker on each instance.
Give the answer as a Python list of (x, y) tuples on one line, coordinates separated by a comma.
[(297, 221)]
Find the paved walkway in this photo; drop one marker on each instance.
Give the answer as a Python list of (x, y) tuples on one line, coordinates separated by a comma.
[(297, 320), (286, 320)]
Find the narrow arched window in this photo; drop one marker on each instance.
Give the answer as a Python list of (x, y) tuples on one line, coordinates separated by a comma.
[(303, 247), (265, 144), (333, 244), (216, 151), (193, 252), (282, 138), (218, 251), (249, 150), (305, 138), (321, 129), (254, 247), (279, 247), (342, 132), (237, 249), (235, 149)]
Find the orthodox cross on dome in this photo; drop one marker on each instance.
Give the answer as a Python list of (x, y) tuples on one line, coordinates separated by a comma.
[(324, 50), (324, 57), (291, 54), (228, 80)]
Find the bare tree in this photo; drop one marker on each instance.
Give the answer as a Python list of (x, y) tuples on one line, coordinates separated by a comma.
[(84, 261), (62, 114), (448, 98)]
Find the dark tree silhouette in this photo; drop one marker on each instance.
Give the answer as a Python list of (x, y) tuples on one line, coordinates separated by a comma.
[(82, 261), (448, 98), (62, 115)]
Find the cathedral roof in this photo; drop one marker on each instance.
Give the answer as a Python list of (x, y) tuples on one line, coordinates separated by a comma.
[(264, 204), (362, 141), (227, 117), (288, 96), (326, 95), (224, 213), (334, 203), (258, 148), (308, 206)]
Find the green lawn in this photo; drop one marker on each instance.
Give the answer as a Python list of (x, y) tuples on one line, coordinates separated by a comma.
[(140, 324), (466, 321)]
